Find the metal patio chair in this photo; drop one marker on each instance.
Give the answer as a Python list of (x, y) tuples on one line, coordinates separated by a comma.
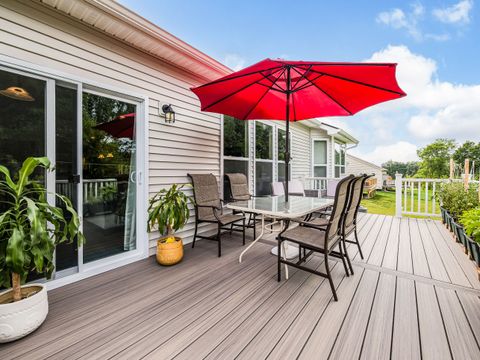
[(238, 187), (209, 209), (319, 239)]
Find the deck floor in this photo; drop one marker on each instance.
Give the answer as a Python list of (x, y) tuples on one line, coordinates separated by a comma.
[(416, 295)]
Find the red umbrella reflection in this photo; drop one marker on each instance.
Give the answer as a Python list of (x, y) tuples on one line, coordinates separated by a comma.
[(121, 127)]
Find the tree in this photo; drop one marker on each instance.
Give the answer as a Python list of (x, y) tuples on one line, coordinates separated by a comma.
[(435, 158), (468, 150), (407, 169)]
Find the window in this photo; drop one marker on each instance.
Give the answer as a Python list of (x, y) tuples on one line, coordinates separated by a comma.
[(263, 158), (235, 148), (339, 160), (281, 144), (320, 158)]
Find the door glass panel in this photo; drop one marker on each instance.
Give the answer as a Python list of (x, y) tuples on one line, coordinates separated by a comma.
[(109, 189), (263, 178), (66, 255), (320, 152), (22, 126)]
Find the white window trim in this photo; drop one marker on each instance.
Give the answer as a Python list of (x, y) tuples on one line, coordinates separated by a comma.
[(313, 164)]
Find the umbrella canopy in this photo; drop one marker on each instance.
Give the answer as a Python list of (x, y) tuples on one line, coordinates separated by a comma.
[(298, 90), (120, 127)]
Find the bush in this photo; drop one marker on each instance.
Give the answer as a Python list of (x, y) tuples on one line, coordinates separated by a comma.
[(470, 220), (455, 199)]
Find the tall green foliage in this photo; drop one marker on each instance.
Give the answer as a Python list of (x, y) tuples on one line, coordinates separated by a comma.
[(456, 200), (435, 158), (470, 220), (30, 227)]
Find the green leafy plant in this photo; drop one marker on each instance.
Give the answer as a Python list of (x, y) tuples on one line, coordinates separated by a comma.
[(455, 199), (31, 228), (169, 211), (470, 220)]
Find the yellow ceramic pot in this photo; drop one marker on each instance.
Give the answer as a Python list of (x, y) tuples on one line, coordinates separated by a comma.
[(169, 253)]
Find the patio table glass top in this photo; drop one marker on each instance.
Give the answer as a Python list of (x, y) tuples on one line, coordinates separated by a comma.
[(275, 206)]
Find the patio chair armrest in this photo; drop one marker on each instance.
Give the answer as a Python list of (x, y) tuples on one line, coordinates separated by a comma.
[(209, 206), (310, 225)]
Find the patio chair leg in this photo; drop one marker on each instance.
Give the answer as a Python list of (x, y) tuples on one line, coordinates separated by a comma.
[(195, 234), (254, 226), (358, 243), (330, 280), (342, 256), (231, 229), (299, 254), (219, 240), (243, 232), (279, 275), (348, 257)]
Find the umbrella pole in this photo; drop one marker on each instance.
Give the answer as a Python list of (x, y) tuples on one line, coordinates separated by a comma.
[(287, 132)]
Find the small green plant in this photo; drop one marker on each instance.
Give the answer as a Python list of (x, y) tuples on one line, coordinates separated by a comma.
[(31, 228), (108, 192), (455, 199), (470, 220), (169, 211)]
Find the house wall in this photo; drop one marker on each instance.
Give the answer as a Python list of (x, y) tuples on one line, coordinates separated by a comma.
[(357, 166), (31, 32)]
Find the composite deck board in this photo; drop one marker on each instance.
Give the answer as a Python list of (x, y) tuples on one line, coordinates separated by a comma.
[(406, 339), (378, 338), (431, 322), (456, 250), (415, 295)]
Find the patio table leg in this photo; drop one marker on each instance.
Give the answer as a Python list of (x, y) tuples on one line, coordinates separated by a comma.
[(254, 241)]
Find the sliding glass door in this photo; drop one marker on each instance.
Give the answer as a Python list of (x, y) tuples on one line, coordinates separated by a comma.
[(90, 137), (109, 184)]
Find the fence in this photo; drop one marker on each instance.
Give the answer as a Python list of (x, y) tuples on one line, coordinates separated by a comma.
[(91, 187), (417, 196), (316, 183)]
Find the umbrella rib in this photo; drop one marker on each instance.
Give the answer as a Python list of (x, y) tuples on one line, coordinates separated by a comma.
[(359, 82), (229, 95), (302, 76), (261, 98), (332, 98), (236, 77), (309, 83)]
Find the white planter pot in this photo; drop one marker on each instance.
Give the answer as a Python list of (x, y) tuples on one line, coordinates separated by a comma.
[(18, 319)]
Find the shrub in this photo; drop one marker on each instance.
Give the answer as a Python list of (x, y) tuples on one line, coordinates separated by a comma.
[(470, 220), (455, 199)]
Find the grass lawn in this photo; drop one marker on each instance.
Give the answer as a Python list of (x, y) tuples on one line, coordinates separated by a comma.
[(384, 203)]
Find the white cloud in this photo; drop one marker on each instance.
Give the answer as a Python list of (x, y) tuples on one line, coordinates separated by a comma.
[(400, 151), (234, 61), (456, 14), (432, 108), (398, 19)]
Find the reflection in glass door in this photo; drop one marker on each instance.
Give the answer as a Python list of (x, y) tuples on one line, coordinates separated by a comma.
[(109, 189)]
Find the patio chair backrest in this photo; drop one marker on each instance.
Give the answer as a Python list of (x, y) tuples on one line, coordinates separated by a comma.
[(338, 209), (205, 193), (278, 188), (356, 190), (295, 187), (238, 184)]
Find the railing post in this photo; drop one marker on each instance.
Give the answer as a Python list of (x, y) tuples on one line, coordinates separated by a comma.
[(398, 195)]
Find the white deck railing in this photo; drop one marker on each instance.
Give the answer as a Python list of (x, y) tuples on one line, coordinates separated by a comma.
[(91, 187), (316, 183), (417, 196)]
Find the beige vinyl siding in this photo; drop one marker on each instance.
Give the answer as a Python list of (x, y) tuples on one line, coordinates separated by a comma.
[(358, 166), (31, 32)]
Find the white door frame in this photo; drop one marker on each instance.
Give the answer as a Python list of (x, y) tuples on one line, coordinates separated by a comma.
[(22, 67)]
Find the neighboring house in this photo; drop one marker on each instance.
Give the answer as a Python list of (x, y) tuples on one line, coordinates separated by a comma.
[(68, 66), (356, 166)]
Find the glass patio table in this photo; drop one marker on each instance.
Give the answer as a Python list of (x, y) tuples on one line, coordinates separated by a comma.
[(276, 207)]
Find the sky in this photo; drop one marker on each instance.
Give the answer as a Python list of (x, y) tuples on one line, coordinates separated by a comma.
[(435, 43)]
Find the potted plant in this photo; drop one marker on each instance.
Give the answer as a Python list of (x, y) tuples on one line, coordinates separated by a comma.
[(169, 211), (30, 228), (471, 222)]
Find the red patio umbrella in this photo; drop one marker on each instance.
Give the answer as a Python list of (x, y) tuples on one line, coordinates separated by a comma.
[(120, 127), (298, 90)]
